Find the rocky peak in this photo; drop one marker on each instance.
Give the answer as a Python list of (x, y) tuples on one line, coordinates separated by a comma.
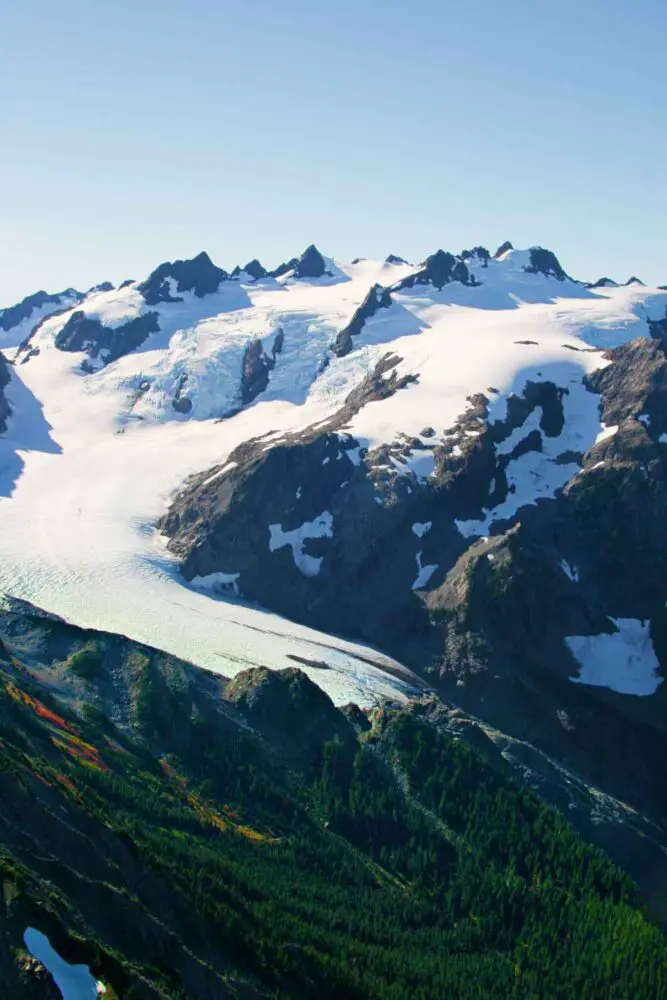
[(289, 710), (310, 264), (393, 259), (255, 269), (438, 270), (198, 275), (543, 261), (13, 315), (479, 253), (604, 283), (503, 249), (634, 281), (104, 286)]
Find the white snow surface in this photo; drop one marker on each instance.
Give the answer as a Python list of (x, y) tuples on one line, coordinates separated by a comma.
[(321, 527), (75, 982), (421, 528), (624, 661), (89, 462), (424, 573)]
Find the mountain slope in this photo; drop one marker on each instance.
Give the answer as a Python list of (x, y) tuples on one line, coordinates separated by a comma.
[(247, 839), (458, 462)]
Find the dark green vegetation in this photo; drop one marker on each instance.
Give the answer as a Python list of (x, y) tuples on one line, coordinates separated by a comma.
[(248, 839)]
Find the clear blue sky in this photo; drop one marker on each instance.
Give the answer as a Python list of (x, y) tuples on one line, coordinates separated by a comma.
[(136, 131)]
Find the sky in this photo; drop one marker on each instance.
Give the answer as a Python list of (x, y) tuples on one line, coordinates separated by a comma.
[(137, 131)]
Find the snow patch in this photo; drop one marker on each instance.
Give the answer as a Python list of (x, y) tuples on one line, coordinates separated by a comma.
[(223, 582), (424, 573), (321, 527), (420, 528), (569, 570), (608, 431), (624, 661)]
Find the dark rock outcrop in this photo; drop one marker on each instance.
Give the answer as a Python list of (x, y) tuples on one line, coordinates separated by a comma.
[(377, 298), (181, 401), (603, 283), (310, 264), (438, 270), (198, 275), (503, 249), (104, 286), (393, 259), (545, 262), (13, 315), (5, 408), (81, 333), (634, 281), (257, 366), (284, 268), (480, 253), (255, 269)]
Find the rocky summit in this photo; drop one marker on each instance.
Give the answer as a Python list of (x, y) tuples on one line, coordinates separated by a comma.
[(347, 576)]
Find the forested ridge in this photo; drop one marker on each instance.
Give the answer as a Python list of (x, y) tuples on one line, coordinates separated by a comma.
[(201, 852)]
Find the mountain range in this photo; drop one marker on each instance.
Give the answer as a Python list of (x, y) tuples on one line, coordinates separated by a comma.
[(436, 491)]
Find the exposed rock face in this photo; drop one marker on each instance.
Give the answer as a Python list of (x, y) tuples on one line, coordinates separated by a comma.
[(480, 253), (198, 275), (503, 249), (5, 408), (658, 329), (310, 264), (545, 262), (13, 315), (603, 283), (634, 281), (81, 333), (181, 401), (257, 367), (284, 268), (224, 523), (255, 269), (377, 298), (438, 270), (393, 259), (346, 540), (104, 286)]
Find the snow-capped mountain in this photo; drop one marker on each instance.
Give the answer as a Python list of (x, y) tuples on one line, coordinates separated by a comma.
[(457, 466)]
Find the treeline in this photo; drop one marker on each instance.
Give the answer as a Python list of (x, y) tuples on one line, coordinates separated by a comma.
[(399, 866)]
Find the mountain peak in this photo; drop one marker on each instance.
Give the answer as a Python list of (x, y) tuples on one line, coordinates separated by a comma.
[(438, 269), (255, 269), (310, 264), (503, 249), (543, 261), (198, 275)]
